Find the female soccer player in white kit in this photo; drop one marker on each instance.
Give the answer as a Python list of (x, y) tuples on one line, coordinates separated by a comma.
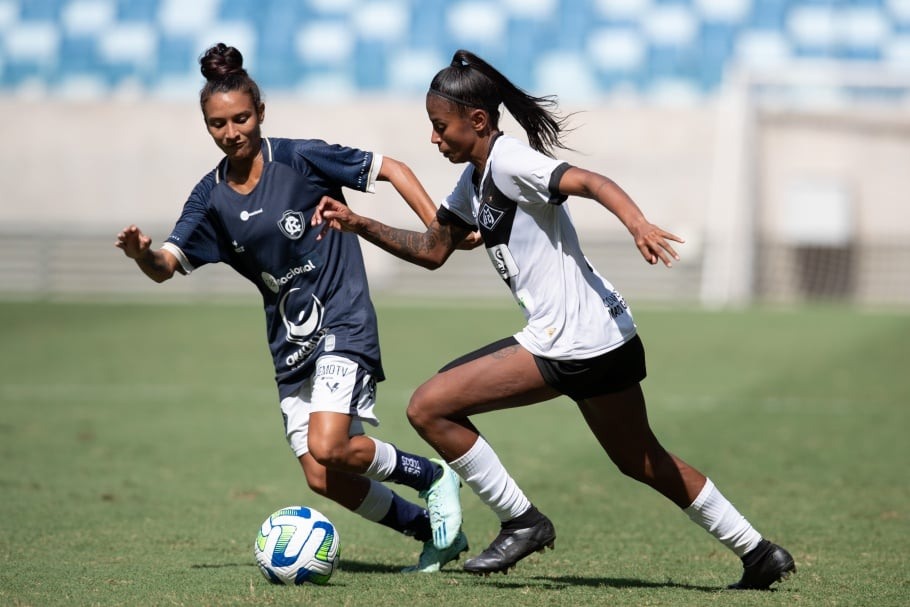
[(252, 212), (580, 339)]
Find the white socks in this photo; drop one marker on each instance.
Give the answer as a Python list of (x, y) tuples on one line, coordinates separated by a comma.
[(384, 461), (715, 514), (377, 502), (482, 471)]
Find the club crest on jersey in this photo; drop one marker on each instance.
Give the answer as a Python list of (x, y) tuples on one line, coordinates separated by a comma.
[(489, 216), (291, 224)]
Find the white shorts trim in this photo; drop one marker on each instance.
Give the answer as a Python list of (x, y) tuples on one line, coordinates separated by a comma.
[(337, 385)]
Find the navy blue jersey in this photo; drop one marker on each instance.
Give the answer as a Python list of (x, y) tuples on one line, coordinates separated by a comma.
[(315, 294)]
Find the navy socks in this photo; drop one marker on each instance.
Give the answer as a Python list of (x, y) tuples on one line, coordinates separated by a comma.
[(407, 518), (414, 471)]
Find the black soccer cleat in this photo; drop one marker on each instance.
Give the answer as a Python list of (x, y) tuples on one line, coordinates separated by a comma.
[(512, 545), (766, 564)]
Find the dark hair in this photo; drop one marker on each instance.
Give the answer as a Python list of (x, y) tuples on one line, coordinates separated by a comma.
[(222, 66), (471, 82)]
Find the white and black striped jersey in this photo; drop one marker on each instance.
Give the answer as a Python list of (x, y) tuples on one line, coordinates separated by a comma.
[(572, 311)]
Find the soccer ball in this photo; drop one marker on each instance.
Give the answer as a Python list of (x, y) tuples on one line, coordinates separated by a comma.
[(296, 545)]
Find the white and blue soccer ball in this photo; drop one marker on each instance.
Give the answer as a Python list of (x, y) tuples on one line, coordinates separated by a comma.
[(297, 545)]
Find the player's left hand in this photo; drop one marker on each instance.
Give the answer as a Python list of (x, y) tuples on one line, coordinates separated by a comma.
[(653, 244), (471, 241), (333, 215)]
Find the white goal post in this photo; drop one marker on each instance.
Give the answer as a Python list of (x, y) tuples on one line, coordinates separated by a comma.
[(794, 176)]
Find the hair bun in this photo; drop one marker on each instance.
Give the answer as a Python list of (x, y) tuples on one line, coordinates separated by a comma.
[(221, 61)]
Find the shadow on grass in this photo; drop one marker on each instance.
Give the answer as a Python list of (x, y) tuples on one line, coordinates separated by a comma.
[(542, 582), (561, 582), (346, 566), (221, 565), (504, 582), (361, 567)]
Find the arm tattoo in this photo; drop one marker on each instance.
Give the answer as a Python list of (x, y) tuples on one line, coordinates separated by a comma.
[(434, 245)]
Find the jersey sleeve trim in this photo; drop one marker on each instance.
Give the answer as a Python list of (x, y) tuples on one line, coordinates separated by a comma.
[(447, 217), (181, 257), (373, 173), (557, 197)]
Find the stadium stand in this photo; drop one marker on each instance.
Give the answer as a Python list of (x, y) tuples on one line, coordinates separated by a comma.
[(739, 123), (598, 47)]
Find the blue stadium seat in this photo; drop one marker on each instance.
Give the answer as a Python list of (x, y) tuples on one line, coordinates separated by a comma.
[(769, 14), (669, 61), (116, 74), (16, 73), (177, 54), (868, 53), (716, 42), (78, 55), (49, 40), (427, 26), (276, 57), (370, 65), (137, 10), (239, 10), (39, 10), (525, 38), (573, 20)]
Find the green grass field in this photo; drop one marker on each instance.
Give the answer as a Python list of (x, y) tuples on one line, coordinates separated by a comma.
[(141, 447)]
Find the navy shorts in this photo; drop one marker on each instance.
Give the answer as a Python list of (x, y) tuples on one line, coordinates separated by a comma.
[(579, 379)]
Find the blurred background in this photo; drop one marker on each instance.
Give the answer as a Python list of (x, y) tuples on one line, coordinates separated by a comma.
[(774, 135)]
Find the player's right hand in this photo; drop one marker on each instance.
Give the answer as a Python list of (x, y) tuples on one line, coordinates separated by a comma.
[(134, 243)]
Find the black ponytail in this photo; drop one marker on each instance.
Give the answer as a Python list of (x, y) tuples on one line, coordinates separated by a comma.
[(471, 82), (222, 67)]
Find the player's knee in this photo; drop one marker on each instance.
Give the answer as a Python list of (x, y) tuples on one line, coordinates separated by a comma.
[(414, 414), (316, 481), (330, 453), (636, 470), (419, 410), (648, 466), (631, 461)]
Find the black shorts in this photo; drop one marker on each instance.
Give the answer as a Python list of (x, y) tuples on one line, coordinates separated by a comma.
[(613, 371), (579, 379)]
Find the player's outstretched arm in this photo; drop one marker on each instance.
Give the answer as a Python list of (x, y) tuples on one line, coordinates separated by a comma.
[(409, 187), (158, 265), (429, 249), (651, 240)]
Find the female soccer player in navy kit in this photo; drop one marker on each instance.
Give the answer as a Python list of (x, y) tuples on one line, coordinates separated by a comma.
[(252, 212), (580, 339)]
